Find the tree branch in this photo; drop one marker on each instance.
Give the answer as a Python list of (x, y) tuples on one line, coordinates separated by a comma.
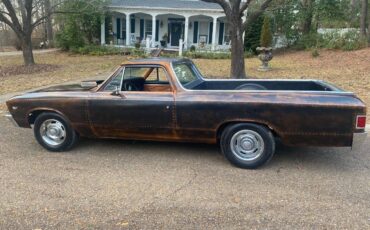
[(244, 6), (10, 24), (52, 11), (13, 22), (224, 4), (257, 13)]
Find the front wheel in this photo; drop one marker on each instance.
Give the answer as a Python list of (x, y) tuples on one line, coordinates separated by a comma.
[(54, 133), (247, 145)]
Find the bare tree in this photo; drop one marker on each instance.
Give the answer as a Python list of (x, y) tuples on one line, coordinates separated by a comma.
[(363, 17), (235, 12), (49, 24), (20, 16)]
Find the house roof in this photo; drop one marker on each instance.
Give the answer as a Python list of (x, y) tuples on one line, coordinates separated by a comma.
[(167, 4)]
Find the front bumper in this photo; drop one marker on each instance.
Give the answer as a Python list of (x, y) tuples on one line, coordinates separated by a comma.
[(358, 140), (11, 119)]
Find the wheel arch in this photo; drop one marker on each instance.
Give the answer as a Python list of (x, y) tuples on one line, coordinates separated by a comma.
[(225, 124), (34, 113)]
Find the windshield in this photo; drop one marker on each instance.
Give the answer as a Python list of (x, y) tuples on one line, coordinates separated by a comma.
[(185, 73)]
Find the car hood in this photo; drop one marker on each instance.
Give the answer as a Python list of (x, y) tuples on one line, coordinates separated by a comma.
[(68, 87)]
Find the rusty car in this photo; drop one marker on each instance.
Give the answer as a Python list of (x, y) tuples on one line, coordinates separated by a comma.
[(164, 99)]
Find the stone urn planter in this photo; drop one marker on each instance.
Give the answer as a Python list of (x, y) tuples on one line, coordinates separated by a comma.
[(265, 56), (163, 43)]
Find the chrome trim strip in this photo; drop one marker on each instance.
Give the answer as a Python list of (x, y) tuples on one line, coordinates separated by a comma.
[(358, 140), (11, 119)]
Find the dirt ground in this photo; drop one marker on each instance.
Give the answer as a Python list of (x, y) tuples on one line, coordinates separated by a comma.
[(348, 70), (107, 184)]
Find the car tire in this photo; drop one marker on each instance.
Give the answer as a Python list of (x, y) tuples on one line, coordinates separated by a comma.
[(53, 132), (247, 146), (251, 86)]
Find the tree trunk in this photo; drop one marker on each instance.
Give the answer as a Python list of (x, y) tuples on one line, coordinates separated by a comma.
[(237, 50), (27, 50), (353, 13), (49, 25), (363, 18), (308, 15), (368, 27)]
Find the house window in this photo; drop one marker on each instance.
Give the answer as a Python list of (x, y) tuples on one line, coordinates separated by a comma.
[(148, 28)]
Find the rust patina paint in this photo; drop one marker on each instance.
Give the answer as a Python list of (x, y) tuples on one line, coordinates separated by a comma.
[(165, 113)]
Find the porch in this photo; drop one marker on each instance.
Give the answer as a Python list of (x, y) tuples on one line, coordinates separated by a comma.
[(165, 30)]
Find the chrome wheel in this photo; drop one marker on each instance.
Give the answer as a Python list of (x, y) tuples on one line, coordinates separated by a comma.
[(53, 132), (247, 145)]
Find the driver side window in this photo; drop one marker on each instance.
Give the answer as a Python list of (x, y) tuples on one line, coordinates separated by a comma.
[(140, 78)]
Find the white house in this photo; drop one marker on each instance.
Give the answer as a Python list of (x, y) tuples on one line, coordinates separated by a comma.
[(195, 22)]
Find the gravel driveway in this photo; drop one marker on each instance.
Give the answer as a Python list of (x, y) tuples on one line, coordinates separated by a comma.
[(104, 184)]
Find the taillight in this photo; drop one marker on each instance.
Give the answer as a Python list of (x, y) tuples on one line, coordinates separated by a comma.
[(361, 122)]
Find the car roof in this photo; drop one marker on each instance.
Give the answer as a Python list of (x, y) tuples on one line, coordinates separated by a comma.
[(155, 60)]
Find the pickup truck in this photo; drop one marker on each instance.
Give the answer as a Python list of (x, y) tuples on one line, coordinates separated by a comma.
[(162, 99)]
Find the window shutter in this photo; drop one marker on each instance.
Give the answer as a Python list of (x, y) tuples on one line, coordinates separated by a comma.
[(169, 32), (141, 29), (195, 32), (118, 28), (210, 32), (132, 25), (221, 33), (157, 30)]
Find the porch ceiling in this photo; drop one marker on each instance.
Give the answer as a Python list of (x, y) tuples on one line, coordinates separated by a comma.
[(166, 4)]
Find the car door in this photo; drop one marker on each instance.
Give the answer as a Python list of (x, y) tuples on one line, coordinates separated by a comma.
[(132, 114)]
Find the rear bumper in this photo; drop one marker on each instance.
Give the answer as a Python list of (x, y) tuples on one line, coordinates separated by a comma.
[(358, 140), (11, 119)]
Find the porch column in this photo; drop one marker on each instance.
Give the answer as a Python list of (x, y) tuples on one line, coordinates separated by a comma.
[(128, 30), (214, 39), (186, 35), (154, 29), (102, 31)]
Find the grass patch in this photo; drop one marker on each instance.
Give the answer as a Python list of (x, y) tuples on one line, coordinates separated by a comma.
[(53, 68), (21, 69)]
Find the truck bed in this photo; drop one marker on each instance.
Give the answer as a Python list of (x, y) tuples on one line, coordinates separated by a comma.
[(279, 85)]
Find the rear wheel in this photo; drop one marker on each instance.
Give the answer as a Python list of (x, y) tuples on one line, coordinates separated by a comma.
[(54, 133), (247, 146)]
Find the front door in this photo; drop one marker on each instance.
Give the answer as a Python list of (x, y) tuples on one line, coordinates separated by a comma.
[(176, 29), (136, 113)]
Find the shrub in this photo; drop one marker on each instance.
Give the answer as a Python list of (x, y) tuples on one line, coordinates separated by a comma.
[(307, 41), (346, 41), (208, 55), (342, 41), (253, 35), (79, 29), (137, 45), (266, 35), (70, 37), (192, 48), (315, 53)]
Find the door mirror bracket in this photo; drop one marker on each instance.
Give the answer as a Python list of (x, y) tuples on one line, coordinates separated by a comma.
[(117, 92)]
